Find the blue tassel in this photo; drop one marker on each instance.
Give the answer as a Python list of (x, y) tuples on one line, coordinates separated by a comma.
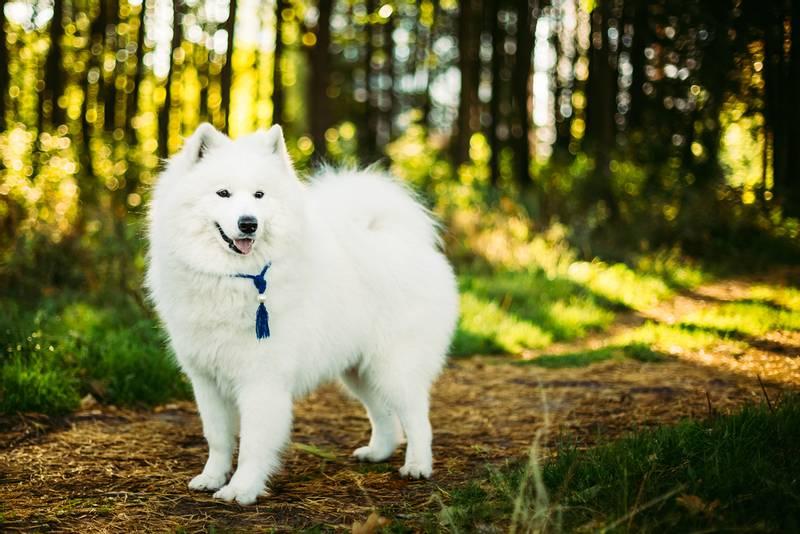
[(262, 317), (262, 322)]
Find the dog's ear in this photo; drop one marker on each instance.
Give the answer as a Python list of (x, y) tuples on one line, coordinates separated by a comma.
[(273, 141), (204, 139)]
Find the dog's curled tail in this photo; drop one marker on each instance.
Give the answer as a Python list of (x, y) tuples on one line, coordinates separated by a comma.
[(379, 203)]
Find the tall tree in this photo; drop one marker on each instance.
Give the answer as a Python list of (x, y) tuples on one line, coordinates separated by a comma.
[(521, 91), (793, 185), (3, 72), (110, 81), (277, 79), (601, 96), (494, 103), (319, 103), (387, 94), (53, 73), (428, 64), (636, 13), (776, 97), (469, 18), (226, 76), (367, 132), (133, 97), (163, 117)]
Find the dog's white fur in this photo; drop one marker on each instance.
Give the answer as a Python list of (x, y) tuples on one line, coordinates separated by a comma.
[(358, 289)]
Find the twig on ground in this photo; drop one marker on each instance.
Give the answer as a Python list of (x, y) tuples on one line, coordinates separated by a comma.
[(766, 395)]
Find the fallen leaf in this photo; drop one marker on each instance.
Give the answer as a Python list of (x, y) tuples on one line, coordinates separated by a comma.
[(695, 505), (373, 523)]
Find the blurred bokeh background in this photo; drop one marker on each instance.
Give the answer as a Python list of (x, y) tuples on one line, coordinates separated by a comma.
[(554, 138), (634, 124)]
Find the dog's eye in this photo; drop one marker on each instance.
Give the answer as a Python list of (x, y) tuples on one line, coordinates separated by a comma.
[(258, 194), (224, 193)]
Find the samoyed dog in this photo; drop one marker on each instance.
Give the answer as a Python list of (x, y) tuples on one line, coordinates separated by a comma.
[(268, 286)]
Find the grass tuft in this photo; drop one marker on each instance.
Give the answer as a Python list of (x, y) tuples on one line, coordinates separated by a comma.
[(733, 472), (62, 348)]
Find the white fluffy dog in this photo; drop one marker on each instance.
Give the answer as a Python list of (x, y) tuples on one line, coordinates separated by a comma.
[(268, 286)]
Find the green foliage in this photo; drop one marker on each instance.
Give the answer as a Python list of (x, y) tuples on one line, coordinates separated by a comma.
[(738, 471), (60, 349)]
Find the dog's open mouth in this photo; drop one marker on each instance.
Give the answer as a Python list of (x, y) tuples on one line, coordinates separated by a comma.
[(240, 246)]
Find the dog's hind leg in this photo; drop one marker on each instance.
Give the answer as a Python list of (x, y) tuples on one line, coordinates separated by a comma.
[(412, 407), (406, 390), (387, 433)]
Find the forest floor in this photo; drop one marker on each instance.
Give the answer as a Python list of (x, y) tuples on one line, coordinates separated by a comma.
[(104, 469)]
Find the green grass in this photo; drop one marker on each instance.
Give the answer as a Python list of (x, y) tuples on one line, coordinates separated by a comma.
[(737, 472), (743, 319), (778, 296), (634, 351), (669, 338), (59, 349), (513, 311), (560, 300)]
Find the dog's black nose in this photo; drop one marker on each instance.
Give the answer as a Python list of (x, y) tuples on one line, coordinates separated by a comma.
[(248, 224)]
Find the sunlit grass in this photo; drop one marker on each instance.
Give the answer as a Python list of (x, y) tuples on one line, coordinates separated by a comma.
[(620, 284), (787, 297), (486, 328), (511, 311), (634, 351), (745, 318), (668, 338)]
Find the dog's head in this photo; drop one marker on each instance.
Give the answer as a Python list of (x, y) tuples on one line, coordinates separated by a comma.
[(226, 206)]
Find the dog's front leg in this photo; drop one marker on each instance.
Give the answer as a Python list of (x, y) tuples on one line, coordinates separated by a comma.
[(266, 420), (218, 417)]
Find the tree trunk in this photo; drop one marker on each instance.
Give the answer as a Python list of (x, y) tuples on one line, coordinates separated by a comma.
[(521, 79), (601, 93), (793, 116), (366, 143), (319, 104), (388, 95), (110, 96), (3, 72), (163, 118), (564, 88), (226, 76), (52, 75), (775, 110), (494, 104), (277, 81), (429, 71), (133, 102), (468, 64), (637, 11)]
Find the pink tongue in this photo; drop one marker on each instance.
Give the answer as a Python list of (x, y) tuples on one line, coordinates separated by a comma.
[(244, 245)]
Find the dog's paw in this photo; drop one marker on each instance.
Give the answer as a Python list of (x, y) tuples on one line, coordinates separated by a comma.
[(413, 470), (416, 471), (206, 482), (243, 496), (372, 454)]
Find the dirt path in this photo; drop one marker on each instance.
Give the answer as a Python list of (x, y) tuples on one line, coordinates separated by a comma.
[(121, 471)]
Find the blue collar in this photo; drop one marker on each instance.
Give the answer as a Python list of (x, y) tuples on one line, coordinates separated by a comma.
[(262, 317)]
